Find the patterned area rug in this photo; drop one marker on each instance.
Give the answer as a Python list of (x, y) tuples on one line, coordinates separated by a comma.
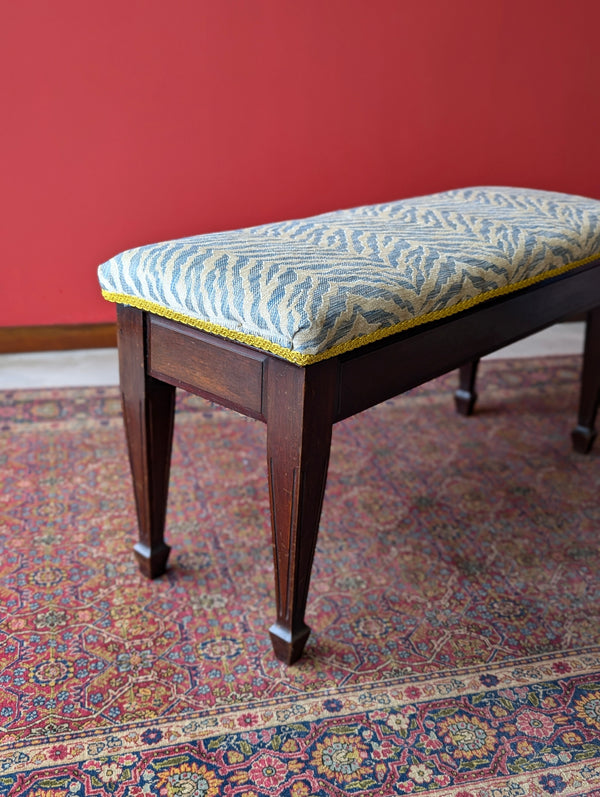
[(455, 604)]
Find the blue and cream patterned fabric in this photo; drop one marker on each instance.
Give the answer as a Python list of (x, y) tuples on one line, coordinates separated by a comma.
[(312, 288)]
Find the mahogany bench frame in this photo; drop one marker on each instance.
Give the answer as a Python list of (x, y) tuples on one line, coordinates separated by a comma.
[(300, 404)]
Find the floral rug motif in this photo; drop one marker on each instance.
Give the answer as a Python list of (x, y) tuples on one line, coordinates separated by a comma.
[(455, 604)]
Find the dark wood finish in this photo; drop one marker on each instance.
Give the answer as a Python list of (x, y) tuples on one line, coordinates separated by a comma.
[(466, 395), (216, 369), (300, 406), (58, 337), (368, 376), (148, 410), (584, 434)]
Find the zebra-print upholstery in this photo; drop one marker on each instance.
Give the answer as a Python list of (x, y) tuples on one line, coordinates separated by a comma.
[(312, 288)]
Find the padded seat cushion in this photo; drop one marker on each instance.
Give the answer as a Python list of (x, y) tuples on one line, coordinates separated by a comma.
[(312, 288)]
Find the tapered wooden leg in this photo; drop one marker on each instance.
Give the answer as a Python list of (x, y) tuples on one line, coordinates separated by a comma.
[(465, 397), (300, 406), (148, 409), (584, 434)]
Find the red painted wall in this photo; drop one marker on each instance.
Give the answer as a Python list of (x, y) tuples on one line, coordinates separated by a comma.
[(130, 121)]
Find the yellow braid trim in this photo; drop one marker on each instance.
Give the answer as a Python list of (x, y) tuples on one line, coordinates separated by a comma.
[(307, 359)]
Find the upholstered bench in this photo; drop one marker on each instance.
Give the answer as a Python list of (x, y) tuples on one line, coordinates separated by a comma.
[(303, 323)]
